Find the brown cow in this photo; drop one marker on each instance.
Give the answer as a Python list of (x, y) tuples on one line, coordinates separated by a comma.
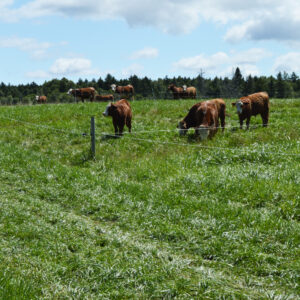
[(83, 93), (103, 98), (204, 117), (189, 92), (182, 92), (121, 114), (126, 91), (177, 91), (41, 99), (253, 105)]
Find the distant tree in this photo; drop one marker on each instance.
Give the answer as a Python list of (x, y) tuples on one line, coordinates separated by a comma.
[(261, 84), (294, 77), (249, 86), (271, 87), (280, 88), (100, 84), (109, 80), (238, 82), (214, 89)]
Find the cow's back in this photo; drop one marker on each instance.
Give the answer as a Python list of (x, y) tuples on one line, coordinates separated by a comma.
[(259, 102), (124, 108)]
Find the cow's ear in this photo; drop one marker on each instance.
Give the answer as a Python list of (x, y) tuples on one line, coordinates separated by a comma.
[(233, 103)]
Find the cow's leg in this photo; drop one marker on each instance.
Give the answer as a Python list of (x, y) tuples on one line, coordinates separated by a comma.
[(128, 124), (265, 119), (115, 126), (121, 128), (222, 119), (241, 122), (247, 122)]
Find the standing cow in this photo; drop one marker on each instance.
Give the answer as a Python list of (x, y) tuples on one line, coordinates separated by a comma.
[(126, 91), (83, 93), (121, 114), (189, 92), (177, 91), (204, 117), (183, 92), (253, 105), (41, 99)]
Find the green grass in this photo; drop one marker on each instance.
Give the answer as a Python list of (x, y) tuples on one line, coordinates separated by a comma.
[(155, 215)]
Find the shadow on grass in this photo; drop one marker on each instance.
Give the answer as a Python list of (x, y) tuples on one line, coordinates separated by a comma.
[(109, 137)]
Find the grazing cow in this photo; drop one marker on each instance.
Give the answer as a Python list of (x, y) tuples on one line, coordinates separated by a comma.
[(41, 99), (177, 91), (126, 91), (103, 98), (182, 92), (83, 93), (204, 117), (121, 114), (253, 105)]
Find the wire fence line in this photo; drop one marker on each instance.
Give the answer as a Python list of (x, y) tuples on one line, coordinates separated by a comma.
[(70, 132), (244, 149), (219, 127), (107, 134)]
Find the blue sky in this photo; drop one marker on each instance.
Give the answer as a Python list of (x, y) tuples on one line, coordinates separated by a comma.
[(45, 39)]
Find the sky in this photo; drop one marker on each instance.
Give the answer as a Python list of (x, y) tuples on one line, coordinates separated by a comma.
[(45, 39)]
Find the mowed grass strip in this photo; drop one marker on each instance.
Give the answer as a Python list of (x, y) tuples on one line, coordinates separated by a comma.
[(154, 214)]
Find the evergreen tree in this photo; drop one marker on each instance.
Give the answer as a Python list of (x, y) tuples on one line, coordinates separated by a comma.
[(271, 87), (109, 80), (249, 86), (280, 89), (238, 82)]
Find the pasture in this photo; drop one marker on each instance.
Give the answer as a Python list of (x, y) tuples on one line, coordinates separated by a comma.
[(155, 215)]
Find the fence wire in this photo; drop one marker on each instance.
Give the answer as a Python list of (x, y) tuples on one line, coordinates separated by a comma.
[(107, 134)]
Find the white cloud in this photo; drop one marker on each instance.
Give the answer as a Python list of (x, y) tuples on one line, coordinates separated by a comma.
[(289, 62), (134, 69), (66, 67), (147, 52), (250, 56), (36, 49), (249, 19), (71, 66), (222, 64), (204, 62)]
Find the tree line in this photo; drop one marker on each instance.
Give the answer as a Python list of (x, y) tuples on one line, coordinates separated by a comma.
[(284, 85)]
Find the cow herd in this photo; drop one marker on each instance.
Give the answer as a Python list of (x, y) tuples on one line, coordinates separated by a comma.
[(205, 117), (91, 94)]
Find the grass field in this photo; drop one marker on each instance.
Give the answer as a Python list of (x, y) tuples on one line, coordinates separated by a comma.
[(155, 215)]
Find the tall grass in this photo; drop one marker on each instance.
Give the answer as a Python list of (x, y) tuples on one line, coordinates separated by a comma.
[(155, 214)]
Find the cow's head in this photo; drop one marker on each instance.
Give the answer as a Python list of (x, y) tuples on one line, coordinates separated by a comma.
[(184, 87), (70, 91), (37, 98), (109, 109), (171, 86), (182, 128), (113, 87), (203, 132), (240, 106)]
